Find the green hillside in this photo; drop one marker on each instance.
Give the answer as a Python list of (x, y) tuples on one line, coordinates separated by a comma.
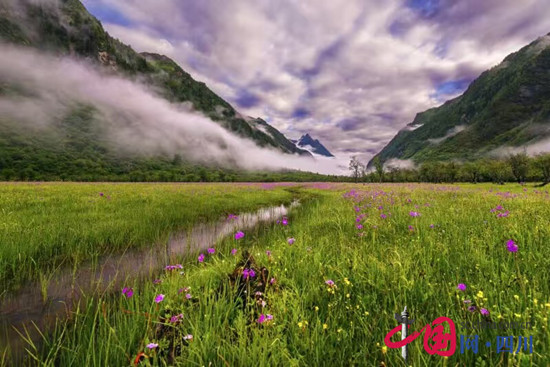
[(73, 147), (508, 105)]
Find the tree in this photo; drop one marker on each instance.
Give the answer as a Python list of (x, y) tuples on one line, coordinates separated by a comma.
[(542, 162), (379, 167), (519, 163), (355, 167)]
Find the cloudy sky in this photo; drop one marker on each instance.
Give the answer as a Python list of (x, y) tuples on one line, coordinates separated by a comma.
[(350, 72)]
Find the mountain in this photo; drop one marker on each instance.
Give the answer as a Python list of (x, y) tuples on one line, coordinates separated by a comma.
[(313, 146), (506, 107), (66, 28)]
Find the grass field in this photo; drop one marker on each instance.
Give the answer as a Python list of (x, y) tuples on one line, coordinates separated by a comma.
[(44, 225), (318, 288)]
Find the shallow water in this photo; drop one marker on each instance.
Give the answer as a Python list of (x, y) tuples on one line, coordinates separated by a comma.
[(31, 306)]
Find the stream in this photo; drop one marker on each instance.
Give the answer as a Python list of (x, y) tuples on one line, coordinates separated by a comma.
[(42, 303)]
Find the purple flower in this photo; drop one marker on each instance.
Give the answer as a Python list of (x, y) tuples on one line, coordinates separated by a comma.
[(466, 301), (461, 287), (284, 221), (359, 226), (128, 292), (383, 216), (201, 258), (484, 312), (252, 273), (188, 296), (101, 194), (268, 253), (261, 319), (432, 225), (511, 245), (246, 273), (472, 308), (239, 235), (330, 283), (157, 281), (152, 345), (291, 240), (414, 214), (211, 250), (176, 318), (272, 281), (159, 298), (411, 228)]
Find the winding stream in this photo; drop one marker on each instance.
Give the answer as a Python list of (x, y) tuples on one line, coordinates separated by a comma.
[(42, 304)]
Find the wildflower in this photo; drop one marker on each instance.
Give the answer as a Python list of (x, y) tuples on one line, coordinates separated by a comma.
[(316, 308), (472, 308), (284, 221), (303, 324), (484, 312), (188, 337), (291, 241), (157, 281), (330, 283), (325, 326), (467, 301), (383, 216), (201, 258), (511, 246), (411, 228), (128, 292), (268, 253), (516, 297), (245, 273), (414, 214), (239, 235), (479, 294), (211, 250), (461, 287), (432, 225), (272, 281), (346, 280), (261, 319), (384, 349), (152, 345), (101, 194), (234, 251), (159, 298), (188, 296), (252, 273), (176, 318), (359, 226)]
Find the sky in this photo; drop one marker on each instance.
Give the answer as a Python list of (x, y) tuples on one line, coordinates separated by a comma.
[(352, 73)]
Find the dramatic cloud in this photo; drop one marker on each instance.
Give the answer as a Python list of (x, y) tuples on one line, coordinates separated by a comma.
[(134, 118), (350, 72)]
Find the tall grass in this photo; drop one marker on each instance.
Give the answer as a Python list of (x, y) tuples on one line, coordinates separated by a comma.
[(376, 270), (43, 225)]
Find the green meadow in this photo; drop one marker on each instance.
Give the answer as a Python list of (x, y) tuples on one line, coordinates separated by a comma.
[(317, 287)]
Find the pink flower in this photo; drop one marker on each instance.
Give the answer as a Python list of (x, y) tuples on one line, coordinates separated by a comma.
[(188, 296), (239, 235), (484, 312), (211, 250), (291, 240), (461, 287), (152, 345), (201, 258), (511, 246), (159, 298), (128, 292), (234, 251)]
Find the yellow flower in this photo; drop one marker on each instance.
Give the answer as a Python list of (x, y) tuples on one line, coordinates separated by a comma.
[(516, 297), (316, 308), (384, 349), (339, 330), (325, 326), (346, 280), (479, 294), (347, 295), (547, 305), (517, 315)]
